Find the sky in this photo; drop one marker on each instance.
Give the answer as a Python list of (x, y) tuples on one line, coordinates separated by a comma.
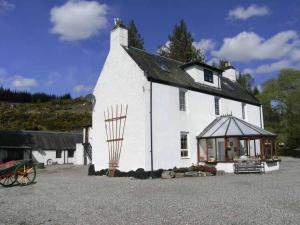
[(60, 46)]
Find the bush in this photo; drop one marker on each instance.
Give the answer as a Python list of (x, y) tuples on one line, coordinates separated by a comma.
[(141, 174), (181, 170), (157, 173), (131, 173)]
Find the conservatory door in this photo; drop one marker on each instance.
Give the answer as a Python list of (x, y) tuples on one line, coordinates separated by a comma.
[(221, 151)]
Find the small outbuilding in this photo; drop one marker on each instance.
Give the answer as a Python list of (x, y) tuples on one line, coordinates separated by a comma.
[(228, 139), (42, 146)]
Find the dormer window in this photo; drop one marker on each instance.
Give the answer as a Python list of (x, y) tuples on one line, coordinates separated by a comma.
[(208, 76)]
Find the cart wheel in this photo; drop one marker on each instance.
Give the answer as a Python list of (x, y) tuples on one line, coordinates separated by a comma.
[(7, 181), (25, 174), (49, 162)]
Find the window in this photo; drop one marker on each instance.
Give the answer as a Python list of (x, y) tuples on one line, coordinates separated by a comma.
[(184, 144), (70, 153), (208, 76), (243, 110), (58, 154), (217, 106), (182, 105)]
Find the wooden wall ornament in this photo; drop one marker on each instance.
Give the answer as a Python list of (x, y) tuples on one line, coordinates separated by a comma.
[(115, 121)]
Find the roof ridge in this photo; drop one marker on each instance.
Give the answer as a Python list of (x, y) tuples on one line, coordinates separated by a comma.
[(40, 131), (156, 55)]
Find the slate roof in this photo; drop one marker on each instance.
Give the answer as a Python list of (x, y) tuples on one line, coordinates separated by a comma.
[(230, 126), (171, 72), (39, 140)]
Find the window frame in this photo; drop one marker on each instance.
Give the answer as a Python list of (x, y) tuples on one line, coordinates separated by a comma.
[(73, 153), (217, 106), (208, 77), (184, 152), (182, 105), (58, 154)]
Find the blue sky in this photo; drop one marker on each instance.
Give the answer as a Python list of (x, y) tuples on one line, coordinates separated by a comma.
[(59, 46)]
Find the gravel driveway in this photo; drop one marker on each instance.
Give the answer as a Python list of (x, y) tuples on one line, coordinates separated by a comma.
[(66, 195)]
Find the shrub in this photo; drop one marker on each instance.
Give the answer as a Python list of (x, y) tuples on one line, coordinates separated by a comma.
[(181, 170), (141, 174), (157, 173)]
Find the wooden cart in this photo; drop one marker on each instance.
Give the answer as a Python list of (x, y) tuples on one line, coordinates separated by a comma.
[(22, 172)]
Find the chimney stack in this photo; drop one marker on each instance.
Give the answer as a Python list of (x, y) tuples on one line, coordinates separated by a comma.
[(229, 71), (118, 35)]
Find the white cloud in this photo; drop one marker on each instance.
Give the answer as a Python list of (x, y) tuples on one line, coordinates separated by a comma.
[(164, 47), (248, 46), (248, 70), (204, 45), (241, 13), (82, 88), (268, 68), (6, 6), (22, 82), (49, 83), (78, 19), (295, 55)]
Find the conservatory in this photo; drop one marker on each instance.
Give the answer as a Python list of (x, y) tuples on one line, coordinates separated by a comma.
[(229, 139)]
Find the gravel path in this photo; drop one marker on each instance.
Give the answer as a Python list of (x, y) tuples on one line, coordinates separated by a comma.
[(66, 195)]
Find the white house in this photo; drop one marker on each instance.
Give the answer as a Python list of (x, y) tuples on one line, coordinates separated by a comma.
[(169, 105), (43, 146)]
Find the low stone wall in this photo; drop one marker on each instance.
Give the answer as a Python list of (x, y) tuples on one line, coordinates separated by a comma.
[(229, 167)]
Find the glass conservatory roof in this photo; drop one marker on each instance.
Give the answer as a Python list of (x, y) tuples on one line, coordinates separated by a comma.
[(230, 126)]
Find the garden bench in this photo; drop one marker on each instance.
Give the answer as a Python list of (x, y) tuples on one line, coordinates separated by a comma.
[(249, 166)]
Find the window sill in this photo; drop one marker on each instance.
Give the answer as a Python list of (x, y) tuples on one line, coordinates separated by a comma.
[(186, 157)]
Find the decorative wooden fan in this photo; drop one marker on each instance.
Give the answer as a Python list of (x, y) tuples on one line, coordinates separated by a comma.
[(115, 121)]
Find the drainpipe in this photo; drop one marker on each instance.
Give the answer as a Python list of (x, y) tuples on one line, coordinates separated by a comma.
[(260, 115), (151, 134)]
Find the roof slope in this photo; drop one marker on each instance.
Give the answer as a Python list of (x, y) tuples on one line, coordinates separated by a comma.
[(230, 126), (168, 71), (44, 140)]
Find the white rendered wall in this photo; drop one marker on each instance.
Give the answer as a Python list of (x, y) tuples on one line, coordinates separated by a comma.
[(168, 122), (79, 154), (121, 82), (197, 73), (43, 155)]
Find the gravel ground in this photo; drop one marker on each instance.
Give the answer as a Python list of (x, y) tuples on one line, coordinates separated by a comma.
[(66, 195)]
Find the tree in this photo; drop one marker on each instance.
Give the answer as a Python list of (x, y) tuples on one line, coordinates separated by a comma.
[(246, 81), (281, 104), (134, 37), (222, 64), (180, 45)]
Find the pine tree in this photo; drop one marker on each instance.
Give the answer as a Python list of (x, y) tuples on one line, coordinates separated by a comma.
[(134, 37), (180, 45)]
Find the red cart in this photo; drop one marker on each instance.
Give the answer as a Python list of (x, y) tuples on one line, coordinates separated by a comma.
[(22, 172)]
